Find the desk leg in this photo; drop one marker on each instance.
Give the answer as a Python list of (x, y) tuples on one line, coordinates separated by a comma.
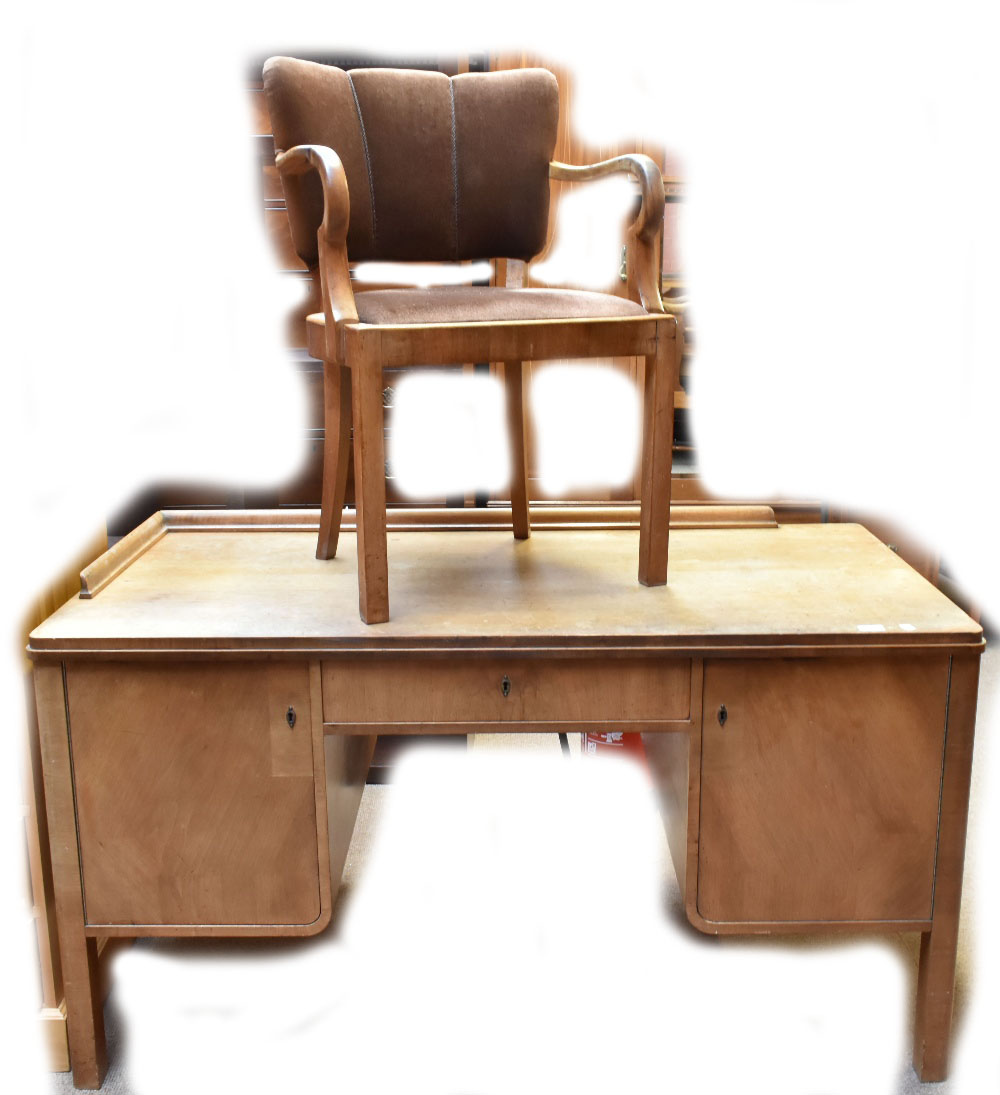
[(84, 1015), (938, 947)]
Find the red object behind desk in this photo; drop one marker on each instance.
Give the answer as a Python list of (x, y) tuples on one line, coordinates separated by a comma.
[(629, 745)]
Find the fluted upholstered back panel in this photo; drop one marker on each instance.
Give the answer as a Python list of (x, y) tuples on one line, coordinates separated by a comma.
[(439, 168)]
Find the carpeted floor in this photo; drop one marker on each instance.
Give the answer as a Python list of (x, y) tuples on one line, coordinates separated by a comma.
[(117, 1083)]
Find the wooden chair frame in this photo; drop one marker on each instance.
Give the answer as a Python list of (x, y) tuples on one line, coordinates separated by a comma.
[(355, 353)]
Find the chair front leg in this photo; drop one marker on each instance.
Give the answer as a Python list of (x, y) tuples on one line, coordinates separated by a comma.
[(517, 409), (337, 436), (662, 369), (364, 360)]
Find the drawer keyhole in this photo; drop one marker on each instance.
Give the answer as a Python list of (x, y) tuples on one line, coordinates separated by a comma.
[(505, 686), (723, 715)]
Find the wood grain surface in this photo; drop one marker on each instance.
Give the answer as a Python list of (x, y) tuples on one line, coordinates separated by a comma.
[(661, 375), (807, 587), (195, 798), (521, 340), (347, 760), (939, 946), (408, 692), (369, 478), (699, 513), (337, 418), (80, 973), (833, 795), (516, 391), (819, 788)]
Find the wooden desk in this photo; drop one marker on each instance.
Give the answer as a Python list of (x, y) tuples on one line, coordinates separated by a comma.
[(806, 699)]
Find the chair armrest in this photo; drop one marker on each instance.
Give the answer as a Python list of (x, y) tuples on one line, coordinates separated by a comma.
[(336, 199), (649, 220), (645, 232), (334, 272)]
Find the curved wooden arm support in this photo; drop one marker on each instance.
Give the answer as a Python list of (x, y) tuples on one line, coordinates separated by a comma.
[(645, 233), (336, 199), (334, 272)]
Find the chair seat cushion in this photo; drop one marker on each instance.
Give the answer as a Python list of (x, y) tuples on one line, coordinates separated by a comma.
[(485, 304)]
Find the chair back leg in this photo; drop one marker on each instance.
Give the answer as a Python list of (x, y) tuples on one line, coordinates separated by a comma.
[(515, 381), (337, 436)]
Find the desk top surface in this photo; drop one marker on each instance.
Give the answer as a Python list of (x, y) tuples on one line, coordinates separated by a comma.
[(204, 589)]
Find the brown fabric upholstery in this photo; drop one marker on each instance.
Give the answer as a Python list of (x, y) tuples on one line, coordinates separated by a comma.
[(314, 104), (407, 124), (505, 127), (475, 304), (439, 168)]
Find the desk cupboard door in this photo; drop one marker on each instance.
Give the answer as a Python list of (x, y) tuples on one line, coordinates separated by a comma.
[(820, 785), (196, 800)]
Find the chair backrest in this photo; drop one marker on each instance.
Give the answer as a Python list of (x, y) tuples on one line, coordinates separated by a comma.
[(439, 168)]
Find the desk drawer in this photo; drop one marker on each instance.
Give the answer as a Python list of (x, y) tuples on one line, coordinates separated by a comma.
[(413, 694)]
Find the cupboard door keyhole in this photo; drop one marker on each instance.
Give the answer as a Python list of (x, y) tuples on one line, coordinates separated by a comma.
[(723, 715)]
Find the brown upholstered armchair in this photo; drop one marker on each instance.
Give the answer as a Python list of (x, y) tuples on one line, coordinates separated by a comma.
[(409, 165)]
